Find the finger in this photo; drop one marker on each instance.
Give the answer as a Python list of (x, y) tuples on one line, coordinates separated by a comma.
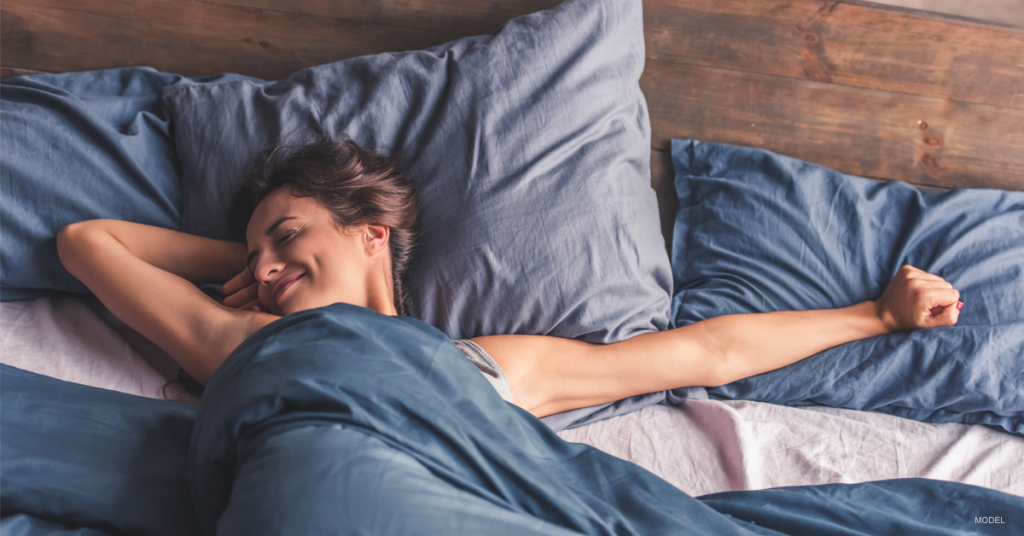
[(241, 297), (240, 281), (907, 269), (246, 295), (923, 285), (930, 305), (947, 317), (233, 285), (941, 296), (924, 276), (254, 305), (928, 284)]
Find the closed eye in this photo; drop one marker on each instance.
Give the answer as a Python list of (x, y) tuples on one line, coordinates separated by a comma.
[(284, 237)]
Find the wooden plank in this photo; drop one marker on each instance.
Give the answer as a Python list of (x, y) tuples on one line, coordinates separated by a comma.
[(188, 38), (846, 42), (859, 44), (873, 133), (7, 72), (856, 44), (704, 93), (456, 17), (840, 42)]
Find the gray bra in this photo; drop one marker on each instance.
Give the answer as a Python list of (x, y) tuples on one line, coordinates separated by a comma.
[(487, 366)]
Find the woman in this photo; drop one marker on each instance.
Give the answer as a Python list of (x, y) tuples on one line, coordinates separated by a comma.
[(333, 222)]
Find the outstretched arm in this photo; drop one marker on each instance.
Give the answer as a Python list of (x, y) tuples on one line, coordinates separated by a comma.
[(549, 375), (146, 276)]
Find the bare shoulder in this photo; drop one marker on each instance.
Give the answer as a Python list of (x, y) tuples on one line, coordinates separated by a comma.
[(550, 374)]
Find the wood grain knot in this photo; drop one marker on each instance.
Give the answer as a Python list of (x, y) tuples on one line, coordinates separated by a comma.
[(264, 44), (810, 38), (923, 125), (931, 164), (934, 141), (815, 66)]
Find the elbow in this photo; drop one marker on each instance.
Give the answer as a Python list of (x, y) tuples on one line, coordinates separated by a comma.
[(67, 239), (719, 367), (725, 369), (716, 374), (73, 241), (716, 381)]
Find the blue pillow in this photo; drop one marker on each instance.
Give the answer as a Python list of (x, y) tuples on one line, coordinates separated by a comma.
[(78, 146), (530, 149), (760, 232)]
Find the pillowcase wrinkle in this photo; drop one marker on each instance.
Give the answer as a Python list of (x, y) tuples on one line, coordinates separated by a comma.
[(80, 146), (759, 232), (530, 150)]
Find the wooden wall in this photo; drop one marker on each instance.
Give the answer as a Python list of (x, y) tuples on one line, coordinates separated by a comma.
[(866, 89)]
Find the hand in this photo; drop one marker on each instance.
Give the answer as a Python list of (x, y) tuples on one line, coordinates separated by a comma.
[(240, 292), (916, 299)]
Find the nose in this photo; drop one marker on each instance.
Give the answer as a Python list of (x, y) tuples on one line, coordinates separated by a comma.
[(266, 268)]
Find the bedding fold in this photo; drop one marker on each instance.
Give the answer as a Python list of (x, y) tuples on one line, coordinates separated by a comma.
[(92, 458), (759, 232), (341, 420), (378, 424)]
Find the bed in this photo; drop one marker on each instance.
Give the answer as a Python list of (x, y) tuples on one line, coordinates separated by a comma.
[(916, 103)]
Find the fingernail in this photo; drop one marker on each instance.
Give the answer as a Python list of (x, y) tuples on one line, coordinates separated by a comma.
[(959, 305)]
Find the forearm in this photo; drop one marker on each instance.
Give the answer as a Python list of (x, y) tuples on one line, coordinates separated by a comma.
[(751, 344), (196, 259)]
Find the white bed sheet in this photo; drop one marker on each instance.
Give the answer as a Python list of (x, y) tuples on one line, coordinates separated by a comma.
[(66, 338), (701, 446), (709, 446)]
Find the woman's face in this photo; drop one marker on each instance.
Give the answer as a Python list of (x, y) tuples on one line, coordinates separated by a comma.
[(301, 258)]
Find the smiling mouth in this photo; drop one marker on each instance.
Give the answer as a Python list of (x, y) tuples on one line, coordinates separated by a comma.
[(284, 285)]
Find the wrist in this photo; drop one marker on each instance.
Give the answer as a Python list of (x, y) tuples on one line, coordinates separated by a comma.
[(885, 317)]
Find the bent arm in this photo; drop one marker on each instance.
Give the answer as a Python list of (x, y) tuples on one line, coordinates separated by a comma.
[(196, 259), (549, 375), (146, 276)]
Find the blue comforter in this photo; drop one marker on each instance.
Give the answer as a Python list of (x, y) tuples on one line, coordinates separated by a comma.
[(343, 421)]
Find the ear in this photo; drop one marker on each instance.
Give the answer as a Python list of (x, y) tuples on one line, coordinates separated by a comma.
[(376, 238)]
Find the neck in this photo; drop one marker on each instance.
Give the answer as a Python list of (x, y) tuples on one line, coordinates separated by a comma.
[(381, 292)]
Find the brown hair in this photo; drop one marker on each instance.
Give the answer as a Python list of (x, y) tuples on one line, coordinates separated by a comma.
[(357, 185)]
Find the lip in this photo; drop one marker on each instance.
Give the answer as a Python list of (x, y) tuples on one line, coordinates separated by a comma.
[(283, 286)]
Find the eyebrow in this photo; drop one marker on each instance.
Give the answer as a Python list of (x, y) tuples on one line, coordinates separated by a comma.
[(270, 231)]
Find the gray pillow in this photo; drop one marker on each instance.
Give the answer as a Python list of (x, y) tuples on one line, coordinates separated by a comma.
[(530, 149)]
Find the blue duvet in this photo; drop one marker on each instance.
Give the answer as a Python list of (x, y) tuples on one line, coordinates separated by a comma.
[(343, 421)]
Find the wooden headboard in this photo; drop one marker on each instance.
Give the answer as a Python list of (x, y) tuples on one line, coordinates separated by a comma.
[(866, 89)]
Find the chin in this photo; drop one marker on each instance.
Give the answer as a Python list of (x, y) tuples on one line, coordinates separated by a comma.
[(292, 307)]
